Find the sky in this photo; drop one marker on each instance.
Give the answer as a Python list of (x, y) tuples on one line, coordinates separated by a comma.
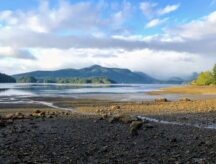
[(163, 38)]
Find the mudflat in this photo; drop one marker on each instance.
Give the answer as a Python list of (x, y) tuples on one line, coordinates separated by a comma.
[(99, 131), (186, 89)]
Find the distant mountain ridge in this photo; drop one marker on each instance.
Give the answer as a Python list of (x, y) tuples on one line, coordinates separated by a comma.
[(97, 73), (116, 75)]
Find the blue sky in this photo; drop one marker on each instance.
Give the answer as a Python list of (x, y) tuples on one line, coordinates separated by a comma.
[(186, 12), (55, 34)]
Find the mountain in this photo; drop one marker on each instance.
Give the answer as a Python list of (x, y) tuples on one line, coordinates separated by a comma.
[(192, 77), (175, 80), (116, 75), (6, 79), (26, 79), (180, 80)]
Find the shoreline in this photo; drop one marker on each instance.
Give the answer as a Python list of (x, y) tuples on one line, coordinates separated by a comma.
[(99, 131), (186, 89), (188, 111)]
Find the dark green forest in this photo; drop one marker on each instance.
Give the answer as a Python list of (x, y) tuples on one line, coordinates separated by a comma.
[(92, 80), (6, 79)]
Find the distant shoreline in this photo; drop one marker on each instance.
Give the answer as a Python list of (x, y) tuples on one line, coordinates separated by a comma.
[(186, 89)]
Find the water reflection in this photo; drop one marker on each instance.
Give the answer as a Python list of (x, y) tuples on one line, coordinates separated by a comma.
[(119, 92), (123, 91), (3, 89), (67, 89)]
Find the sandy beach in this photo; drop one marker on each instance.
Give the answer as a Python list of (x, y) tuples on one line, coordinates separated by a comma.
[(102, 131)]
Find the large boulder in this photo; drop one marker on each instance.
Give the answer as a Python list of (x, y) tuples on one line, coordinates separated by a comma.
[(9, 116), (125, 118), (19, 116), (38, 113), (134, 127)]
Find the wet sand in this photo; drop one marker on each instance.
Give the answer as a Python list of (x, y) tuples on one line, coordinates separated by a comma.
[(90, 132), (186, 89)]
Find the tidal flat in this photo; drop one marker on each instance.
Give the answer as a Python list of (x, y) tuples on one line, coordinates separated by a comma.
[(104, 131)]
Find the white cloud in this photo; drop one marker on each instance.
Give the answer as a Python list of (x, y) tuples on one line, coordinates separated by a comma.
[(121, 15), (168, 9), (37, 34), (197, 29), (147, 9), (168, 62), (151, 10), (81, 15), (8, 52), (196, 37), (155, 22)]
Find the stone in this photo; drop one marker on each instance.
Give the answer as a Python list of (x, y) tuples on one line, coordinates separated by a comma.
[(9, 121), (104, 149), (38, 113), (161, 100), (104, 116), (2, 124), (149, 126), (185, 99), (98, 111), (199, 160), (173, 140), (67, 113), (9, 116), (134, 126), (114, 107), (113, 119), (19, 116), (126, 118)]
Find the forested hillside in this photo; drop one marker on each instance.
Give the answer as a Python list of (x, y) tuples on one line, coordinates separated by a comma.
[(6, 79)]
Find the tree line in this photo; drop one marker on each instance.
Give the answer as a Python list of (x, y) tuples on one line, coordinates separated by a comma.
[(206, 78), (6, 79)]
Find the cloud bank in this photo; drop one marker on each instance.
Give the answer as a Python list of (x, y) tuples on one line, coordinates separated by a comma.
[(75, 35)]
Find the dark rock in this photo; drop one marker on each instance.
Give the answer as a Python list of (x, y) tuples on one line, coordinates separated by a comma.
[(148, 126), (161, 100), (113, 119), (185, 99), (125, 118), (173, 140), (2, 124), (134, 126)]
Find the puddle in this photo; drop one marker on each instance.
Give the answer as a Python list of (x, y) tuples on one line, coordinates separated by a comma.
[(209, 126)]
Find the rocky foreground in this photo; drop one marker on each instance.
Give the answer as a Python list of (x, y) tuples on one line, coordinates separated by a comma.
[(67, 137)]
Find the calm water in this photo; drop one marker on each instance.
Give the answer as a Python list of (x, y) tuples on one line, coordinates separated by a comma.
[(120, 91)]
